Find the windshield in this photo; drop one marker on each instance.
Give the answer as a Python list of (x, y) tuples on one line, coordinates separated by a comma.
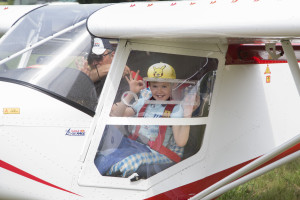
[(46, 49)]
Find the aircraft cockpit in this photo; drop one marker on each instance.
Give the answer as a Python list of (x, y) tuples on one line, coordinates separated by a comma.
[(190, 80)]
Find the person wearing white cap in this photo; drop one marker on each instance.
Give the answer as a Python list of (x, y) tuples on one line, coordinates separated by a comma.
[(98, 62)]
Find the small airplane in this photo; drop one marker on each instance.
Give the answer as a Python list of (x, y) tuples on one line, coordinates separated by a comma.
[(241, 67)]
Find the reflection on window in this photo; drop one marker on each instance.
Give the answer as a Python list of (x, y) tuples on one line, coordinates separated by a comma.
[(190, 80), (52, 67), (120, 156), (60, 67), (160, 86), (31, 56)]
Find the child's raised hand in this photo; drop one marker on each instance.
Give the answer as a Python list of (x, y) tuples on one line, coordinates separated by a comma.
[(135, 84)]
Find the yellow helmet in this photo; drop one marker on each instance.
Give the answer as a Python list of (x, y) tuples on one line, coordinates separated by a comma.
[(161, 70)]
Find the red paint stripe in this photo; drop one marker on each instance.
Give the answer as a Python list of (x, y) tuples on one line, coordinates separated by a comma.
[(282, 155), (16, 170), (189, 190)]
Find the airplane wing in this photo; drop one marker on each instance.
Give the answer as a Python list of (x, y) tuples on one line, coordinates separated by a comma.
[(232, 22), (11, 13), (248, 21)]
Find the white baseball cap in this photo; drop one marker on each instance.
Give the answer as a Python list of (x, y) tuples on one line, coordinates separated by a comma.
[(100, 46)]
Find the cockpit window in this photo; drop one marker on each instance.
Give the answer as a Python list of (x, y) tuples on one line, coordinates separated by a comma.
[(166, 79), (159, 86), (47, 50)]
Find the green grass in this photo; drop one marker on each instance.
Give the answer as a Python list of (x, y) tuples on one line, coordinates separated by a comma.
[(9, 2), (282, 183)]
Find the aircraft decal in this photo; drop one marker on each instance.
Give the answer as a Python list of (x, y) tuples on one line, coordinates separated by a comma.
[(11, 110), (268, 70), (72, 132), (268, 77), (16, 170), (191, 3)]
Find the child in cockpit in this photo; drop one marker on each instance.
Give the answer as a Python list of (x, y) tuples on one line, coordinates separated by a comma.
[(165, 143)]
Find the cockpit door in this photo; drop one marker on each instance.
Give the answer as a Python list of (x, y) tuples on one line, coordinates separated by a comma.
[(196, 67)]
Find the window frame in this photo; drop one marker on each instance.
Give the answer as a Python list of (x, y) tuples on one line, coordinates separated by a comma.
[(90, 176)]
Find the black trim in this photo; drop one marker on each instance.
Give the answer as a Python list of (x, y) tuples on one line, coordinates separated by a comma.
[(43, 5), (52, 94)]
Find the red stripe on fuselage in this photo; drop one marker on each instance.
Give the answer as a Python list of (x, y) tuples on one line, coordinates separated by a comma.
[(189, 190), (183, 192), (16, 170)]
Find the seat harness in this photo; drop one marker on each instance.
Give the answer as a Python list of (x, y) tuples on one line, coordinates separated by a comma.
[(157, 144)]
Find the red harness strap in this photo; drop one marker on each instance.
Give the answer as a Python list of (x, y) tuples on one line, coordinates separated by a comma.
[(157, 145)]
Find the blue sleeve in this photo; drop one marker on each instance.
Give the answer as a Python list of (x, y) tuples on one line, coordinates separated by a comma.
[(177, 112)]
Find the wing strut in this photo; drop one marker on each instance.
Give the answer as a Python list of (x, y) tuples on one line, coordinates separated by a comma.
[(249, 167), (252, 175), (293, 63)]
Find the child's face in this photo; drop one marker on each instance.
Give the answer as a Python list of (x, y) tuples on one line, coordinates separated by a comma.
[(161, 90)]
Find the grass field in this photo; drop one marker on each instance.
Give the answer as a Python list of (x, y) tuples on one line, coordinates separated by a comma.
[(282, 183), (9, 2)]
